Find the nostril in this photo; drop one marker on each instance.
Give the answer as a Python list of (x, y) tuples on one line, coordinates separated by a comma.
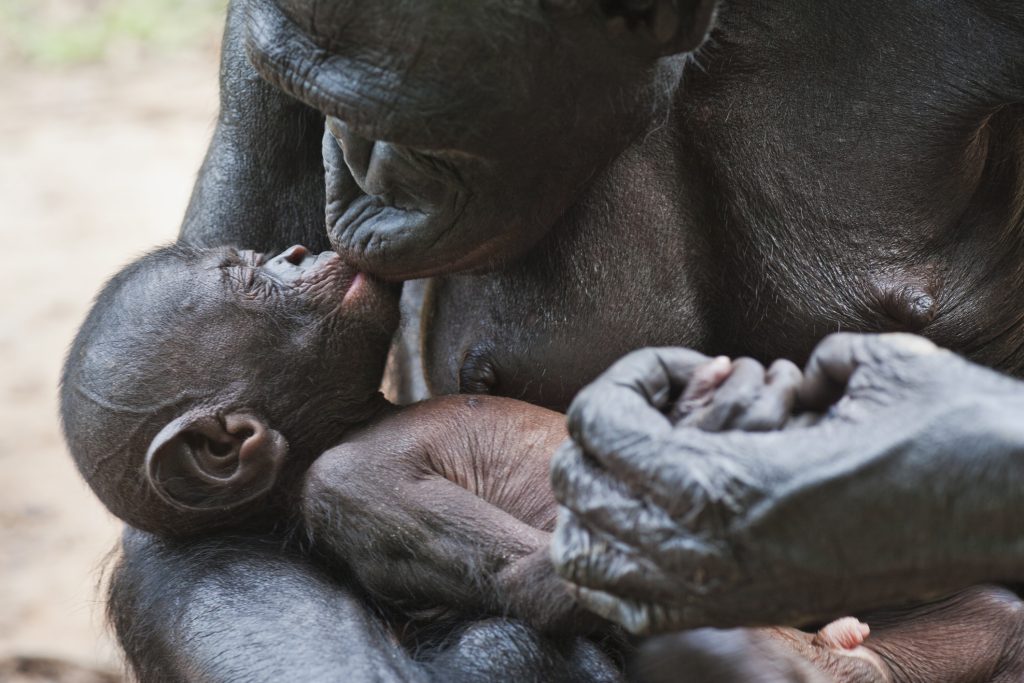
[(295, 255)]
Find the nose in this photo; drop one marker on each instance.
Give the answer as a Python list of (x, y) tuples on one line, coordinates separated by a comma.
[(295, 255)]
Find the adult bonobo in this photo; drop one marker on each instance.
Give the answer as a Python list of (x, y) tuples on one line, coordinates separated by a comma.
[(824, 165)]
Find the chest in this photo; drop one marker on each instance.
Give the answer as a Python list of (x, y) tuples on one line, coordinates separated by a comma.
[(802, 191)]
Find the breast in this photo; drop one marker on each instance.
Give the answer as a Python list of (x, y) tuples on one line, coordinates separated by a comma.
[(780, 216), (543, 328)]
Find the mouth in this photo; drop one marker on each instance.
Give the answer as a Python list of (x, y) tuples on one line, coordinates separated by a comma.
[(330, 278), (326, 272), (390, 210)]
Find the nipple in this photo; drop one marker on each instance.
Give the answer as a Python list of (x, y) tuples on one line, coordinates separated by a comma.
[(906, 306)]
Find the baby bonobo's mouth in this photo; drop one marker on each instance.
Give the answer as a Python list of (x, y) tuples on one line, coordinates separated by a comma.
[(326, 278), (297, 267)]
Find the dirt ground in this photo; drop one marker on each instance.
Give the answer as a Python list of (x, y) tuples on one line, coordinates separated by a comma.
[(96, 166)]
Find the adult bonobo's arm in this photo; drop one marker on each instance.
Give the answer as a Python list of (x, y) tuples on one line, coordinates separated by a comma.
[(233, 609), (908, 487), (262, 183), (241, 610)]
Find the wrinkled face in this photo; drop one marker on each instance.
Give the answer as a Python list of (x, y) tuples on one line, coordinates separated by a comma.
[(458, 132), (297, 332)]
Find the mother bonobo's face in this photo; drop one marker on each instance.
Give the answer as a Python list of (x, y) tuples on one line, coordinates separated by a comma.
[(459, 130)]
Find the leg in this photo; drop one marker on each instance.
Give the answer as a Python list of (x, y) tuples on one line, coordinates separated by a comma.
[(239, 610), (974, 636), (233, 609)]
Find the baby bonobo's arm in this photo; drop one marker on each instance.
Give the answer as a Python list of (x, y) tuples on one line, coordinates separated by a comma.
[(447, 503)]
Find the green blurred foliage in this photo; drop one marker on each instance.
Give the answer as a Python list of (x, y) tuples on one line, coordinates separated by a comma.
[(68, 32)]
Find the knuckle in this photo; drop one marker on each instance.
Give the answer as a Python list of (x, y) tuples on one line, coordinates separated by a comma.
[(738, 403), (638, 619), (563, 463), (762, 418), (569, 546), (784, 371), (905, 344), (585, 408), (747, 363)]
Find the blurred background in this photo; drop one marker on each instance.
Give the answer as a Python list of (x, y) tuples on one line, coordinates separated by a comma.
[(106, 107)]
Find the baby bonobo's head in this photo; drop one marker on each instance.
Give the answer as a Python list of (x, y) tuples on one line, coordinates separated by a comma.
[(204, 381)]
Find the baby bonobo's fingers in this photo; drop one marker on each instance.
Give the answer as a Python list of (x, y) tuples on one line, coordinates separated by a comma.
[(532, 590), (701, 388), (732, 399), (774, 405)]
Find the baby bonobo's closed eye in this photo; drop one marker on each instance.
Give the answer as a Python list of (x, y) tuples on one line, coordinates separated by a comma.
[(204, 460)]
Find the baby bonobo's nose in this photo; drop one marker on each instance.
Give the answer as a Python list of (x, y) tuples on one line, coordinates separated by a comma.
[(295, 255)]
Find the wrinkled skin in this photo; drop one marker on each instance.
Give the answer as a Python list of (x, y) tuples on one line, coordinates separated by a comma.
[(484, 462), (732, 528), (421, 175), (820, 170), (196, 397), (984, 620), (666, 527), (488, 553)]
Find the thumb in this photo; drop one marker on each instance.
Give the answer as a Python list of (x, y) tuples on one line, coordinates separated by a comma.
[(839, 356)]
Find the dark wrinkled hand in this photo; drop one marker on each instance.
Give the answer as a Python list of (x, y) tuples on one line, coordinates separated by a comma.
[(668, 527)]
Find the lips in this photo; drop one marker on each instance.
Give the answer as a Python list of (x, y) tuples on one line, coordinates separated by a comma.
[(397, 176), (398, 234), (328, 269)]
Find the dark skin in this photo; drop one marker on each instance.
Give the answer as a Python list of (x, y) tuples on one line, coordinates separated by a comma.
[(713, 506), (229, 446), (766, 655), (475, 467), (820, 171), (233, 455)]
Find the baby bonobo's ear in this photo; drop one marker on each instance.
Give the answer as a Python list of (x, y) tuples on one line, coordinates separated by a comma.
[(209, 461)]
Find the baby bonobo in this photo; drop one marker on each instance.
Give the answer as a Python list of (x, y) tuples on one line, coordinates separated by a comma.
[(216, 389), (204, 383)]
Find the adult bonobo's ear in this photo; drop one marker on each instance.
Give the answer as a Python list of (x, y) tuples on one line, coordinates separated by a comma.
[(207, 461), (665, 26)]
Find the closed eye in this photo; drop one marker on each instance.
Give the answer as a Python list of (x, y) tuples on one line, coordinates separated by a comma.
[(246, 258)]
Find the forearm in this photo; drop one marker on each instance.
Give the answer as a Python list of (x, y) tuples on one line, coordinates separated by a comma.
[(239, 610), (437, 507), (412, 538), (262, 183), (922, 509)]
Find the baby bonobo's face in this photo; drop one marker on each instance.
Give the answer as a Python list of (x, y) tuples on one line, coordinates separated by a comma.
[(302, 328), (318, 283), (294, 310), (229, 371), (323, 310)]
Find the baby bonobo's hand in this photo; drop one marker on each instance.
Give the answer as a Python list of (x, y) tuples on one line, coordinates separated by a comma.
[(738, 395), (446, 507)]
